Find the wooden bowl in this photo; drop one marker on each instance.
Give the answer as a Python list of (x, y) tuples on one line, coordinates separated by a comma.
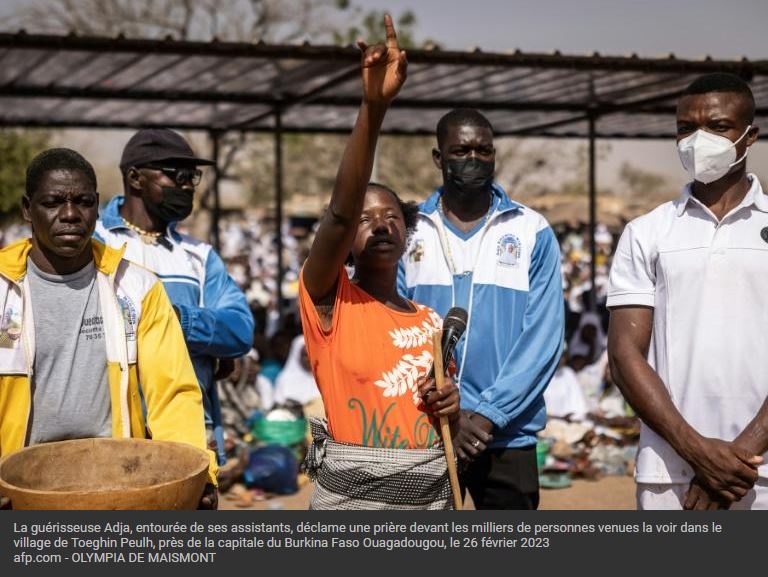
[(105, 474)]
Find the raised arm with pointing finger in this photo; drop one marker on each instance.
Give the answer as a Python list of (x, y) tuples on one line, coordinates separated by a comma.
[(370, 349), (383, 71)]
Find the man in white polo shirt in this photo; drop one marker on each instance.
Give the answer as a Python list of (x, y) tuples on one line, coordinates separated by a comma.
[(689, 309)]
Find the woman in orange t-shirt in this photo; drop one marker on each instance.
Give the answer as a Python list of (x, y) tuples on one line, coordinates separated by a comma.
[(371, 349)]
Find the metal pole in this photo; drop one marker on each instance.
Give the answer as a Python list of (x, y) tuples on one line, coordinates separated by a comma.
[(279, 207), (592, 117), (216, 214), (592, 213)]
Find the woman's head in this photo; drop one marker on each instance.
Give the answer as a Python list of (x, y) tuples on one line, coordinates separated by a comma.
[(385, 225)]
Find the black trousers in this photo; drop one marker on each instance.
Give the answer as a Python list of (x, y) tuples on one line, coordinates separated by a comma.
[(504, 479)]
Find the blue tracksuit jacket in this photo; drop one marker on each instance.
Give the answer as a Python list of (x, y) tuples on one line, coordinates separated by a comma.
[(514, 298), (213, 311)]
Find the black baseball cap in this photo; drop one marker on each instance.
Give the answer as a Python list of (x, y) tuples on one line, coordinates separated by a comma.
[(153, 145)]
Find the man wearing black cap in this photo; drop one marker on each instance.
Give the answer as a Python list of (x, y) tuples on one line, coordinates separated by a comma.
[(160, 172)]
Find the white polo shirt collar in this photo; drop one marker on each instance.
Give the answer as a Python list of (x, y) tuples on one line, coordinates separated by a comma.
[(754, 196)]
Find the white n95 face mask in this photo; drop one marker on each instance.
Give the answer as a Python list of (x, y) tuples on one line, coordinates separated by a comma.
[(708, 157)]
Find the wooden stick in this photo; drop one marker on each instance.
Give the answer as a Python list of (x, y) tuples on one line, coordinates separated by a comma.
[(445, 429)]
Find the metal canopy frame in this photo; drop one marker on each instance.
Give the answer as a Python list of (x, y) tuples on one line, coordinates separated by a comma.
[(89, 82)]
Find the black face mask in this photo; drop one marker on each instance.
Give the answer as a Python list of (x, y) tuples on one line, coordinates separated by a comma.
[(468, 176), (176, 204)]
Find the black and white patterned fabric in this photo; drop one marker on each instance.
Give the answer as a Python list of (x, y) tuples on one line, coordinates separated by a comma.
[(365, 478)]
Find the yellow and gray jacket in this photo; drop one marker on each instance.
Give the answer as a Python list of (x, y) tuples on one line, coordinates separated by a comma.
[(139, 323)]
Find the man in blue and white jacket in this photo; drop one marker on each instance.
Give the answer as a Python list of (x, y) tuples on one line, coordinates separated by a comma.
[(476, 249), (159, 176)]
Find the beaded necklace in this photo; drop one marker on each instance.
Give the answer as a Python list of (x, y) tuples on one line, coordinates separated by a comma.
[(148, 237)]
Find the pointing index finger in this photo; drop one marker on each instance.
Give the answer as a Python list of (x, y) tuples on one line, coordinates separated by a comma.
[(391, 34)]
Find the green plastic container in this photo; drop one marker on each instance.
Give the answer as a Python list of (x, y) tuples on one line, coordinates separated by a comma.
[(284, 433), (542, 450)]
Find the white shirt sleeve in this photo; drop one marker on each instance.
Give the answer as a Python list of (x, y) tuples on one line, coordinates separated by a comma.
[(633, 278)]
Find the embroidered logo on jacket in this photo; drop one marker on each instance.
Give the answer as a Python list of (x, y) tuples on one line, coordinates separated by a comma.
[(508, 251), (416, 253), (129, 317), (10, 328)]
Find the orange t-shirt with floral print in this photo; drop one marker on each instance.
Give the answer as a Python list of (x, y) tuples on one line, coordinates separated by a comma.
[(368, 365)]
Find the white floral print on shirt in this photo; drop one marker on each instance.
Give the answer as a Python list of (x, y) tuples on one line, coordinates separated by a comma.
[(406, 375)]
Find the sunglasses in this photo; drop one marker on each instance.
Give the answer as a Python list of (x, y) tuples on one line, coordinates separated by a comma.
[(179, 175)]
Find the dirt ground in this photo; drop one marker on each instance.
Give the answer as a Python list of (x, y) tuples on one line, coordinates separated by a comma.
[(610, 492)]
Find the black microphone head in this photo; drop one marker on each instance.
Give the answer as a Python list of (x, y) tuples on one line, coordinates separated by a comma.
[(454, 325), (455, 320)]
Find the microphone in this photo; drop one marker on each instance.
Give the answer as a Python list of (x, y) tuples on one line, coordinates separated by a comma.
[(454, 325)]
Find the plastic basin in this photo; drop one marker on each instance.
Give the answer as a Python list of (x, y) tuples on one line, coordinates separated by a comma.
[(285, 433)]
